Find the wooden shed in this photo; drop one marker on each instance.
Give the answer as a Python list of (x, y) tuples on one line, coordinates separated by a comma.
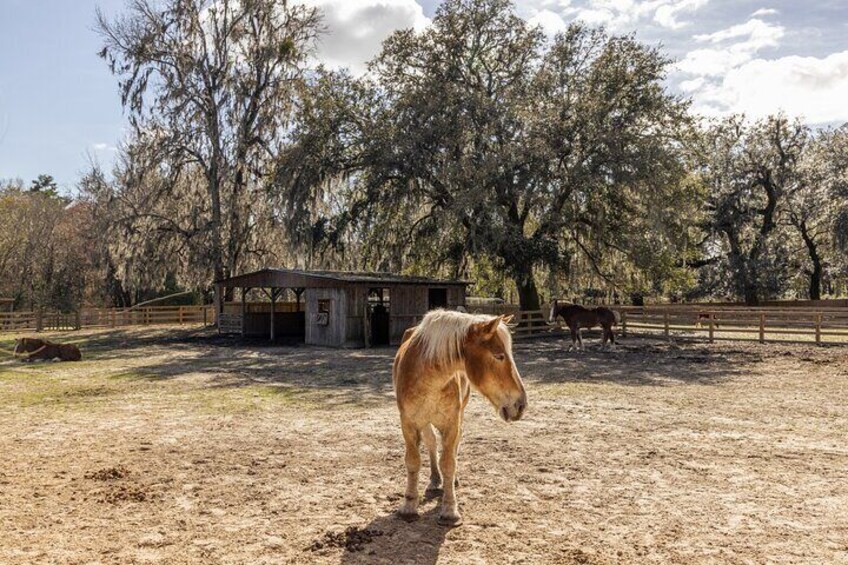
[(332, 308)]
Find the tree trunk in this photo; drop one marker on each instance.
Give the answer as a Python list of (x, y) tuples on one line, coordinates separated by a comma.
[(528, 294), (750, 295), (815, 258)]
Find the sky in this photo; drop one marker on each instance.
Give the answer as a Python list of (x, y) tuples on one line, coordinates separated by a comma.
[(60, 108)]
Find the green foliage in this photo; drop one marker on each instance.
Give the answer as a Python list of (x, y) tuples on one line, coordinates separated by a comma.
[(478, 139)]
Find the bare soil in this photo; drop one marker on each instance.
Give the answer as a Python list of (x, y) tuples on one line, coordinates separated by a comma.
[(175, 446)]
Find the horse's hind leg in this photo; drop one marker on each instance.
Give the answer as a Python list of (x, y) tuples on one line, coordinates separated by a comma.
[(412, 437), (580, 338), (435, 486), (573, 338)]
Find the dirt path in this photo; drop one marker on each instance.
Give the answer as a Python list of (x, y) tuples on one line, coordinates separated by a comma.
[(168, 447)]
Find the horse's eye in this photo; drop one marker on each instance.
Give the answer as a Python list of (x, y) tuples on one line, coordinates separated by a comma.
[(500, 356)]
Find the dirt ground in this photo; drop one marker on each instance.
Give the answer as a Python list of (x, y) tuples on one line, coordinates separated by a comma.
[(174, 446)]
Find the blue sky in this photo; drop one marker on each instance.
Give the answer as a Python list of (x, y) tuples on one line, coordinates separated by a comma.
[(59, 105)]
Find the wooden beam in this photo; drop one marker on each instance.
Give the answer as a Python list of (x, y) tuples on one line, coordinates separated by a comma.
[(273, 295), (244, 292)]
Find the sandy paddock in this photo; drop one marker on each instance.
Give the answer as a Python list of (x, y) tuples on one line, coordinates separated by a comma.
[(171, 446)]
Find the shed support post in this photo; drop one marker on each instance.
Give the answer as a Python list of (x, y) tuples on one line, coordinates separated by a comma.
[(273, 309), (244, 292)]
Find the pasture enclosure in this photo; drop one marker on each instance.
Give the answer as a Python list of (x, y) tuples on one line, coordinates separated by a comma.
[(174, 446), (107, 318), (710, 322)]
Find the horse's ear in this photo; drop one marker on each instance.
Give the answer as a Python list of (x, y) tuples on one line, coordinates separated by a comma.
[(507, 318), (488, 328)]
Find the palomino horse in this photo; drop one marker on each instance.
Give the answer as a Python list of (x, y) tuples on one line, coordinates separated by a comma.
[(434, 369), (577, 317)]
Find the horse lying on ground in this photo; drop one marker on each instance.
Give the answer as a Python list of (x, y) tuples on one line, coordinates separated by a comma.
[(38, 349), (577, 317), (434, 369)]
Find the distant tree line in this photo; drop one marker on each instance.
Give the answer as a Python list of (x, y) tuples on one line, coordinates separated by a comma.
[(475, 148)]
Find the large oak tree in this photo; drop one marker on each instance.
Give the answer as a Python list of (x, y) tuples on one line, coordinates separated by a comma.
[(481, 137)]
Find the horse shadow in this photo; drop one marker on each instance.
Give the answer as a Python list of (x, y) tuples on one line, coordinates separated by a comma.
[(397, 541)]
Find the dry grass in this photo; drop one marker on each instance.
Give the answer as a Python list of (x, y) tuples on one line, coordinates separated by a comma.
[(171, 446)]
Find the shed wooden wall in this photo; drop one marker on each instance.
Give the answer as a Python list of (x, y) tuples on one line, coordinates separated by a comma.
[(333, 334), (408, 306), (357, 298)]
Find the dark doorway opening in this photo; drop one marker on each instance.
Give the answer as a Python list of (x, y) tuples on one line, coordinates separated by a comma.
[(378, 307), (437, 298)]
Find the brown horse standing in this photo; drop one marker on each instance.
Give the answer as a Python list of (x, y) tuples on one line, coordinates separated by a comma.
[(577, 317), (434, 369)]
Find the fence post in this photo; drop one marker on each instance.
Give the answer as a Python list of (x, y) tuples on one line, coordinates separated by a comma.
[(762, 328), (665, 322), (818, 328), (78, 320), (624, 324), (39, 320), (112, 317), (205, 311), (181, 315), (712, 323)]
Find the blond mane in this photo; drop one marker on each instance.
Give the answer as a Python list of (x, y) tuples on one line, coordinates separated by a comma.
[(441, 333)]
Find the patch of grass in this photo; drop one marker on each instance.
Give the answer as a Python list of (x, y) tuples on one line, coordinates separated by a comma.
[(135, 375), (250, 398)]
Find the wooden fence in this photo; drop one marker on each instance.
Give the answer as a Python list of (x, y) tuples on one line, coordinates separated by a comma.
[(107, 318), (824, 325)]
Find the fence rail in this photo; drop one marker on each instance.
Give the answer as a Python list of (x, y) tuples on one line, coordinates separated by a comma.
[(824, 325), (107, 318)]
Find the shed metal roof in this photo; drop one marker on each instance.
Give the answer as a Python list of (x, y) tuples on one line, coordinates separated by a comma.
[(295, 278)]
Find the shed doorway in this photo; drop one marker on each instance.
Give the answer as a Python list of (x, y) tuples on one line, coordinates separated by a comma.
[(379, 317), (437, 298)]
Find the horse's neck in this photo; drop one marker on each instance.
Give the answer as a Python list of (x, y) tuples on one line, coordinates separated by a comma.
[(435, 376)]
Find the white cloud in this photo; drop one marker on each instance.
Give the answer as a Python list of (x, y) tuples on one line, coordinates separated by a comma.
[(752, 37), (811, 87), (667, 14), (355, 29), (626, 14), (550, 22), (104, 147), (763, 12)]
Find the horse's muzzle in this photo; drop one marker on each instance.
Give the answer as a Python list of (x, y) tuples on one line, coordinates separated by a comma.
[(513, 412)]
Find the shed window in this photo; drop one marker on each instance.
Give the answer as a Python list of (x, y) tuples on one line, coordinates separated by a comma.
[(323, 317)]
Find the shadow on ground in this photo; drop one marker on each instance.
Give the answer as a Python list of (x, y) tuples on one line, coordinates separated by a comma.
[(397, 541)]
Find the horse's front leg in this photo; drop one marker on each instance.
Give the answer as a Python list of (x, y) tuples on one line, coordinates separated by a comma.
[(412, 437), (449, 514)]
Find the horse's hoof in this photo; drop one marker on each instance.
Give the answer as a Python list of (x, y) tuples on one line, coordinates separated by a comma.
[(433, 492), (407, 516), (450, 521)]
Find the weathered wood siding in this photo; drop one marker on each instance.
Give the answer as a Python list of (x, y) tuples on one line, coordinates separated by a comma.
[(456, 296), (357, 299), (408, 306), (333, 334)]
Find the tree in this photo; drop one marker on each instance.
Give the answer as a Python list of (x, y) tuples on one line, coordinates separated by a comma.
[(818, 204), (748, 171), (210, 87), (478, 138), (46, 185)]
